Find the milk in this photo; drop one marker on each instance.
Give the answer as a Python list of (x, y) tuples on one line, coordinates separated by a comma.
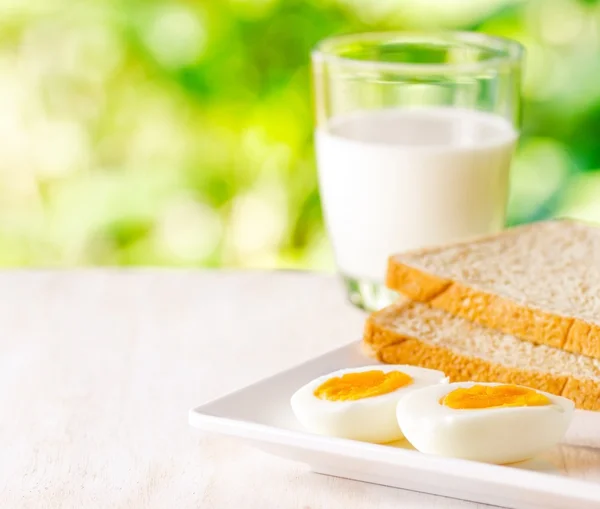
[(392, 180)]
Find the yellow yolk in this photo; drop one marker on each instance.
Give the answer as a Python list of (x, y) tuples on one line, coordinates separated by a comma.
[(485, 396), (365, 384)]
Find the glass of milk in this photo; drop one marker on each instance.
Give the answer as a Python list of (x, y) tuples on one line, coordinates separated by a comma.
[(414, 139)]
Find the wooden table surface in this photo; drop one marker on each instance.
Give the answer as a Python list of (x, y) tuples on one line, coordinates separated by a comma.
[(99, 368)]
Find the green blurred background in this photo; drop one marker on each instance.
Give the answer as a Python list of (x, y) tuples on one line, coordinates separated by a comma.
[(180, 133)]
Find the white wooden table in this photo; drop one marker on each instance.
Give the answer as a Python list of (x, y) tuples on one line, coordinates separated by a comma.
[(99, 368)]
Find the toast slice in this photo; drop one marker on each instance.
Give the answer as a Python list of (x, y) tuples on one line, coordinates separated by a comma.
[(414, 333), (539, 282)]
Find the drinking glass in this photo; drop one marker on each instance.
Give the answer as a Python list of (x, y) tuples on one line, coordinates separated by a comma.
[(414, 138)]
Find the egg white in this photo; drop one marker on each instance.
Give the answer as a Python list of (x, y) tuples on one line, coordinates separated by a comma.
[(370, 419), (493, 435)]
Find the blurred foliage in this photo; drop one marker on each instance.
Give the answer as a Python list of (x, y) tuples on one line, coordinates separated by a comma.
[(180, 133)]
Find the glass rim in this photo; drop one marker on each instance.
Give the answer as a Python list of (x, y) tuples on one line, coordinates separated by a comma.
[(324, 51)]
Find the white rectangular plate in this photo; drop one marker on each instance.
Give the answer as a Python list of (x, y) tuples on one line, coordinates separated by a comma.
[(568, 476)]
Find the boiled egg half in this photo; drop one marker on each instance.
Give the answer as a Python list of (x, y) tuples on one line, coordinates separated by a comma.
[(491, 422), (360, 403)]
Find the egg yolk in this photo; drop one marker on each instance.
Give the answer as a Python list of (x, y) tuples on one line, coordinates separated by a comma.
[(365, 384), (486, 396)]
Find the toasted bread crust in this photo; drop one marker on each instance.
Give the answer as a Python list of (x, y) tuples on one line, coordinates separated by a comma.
[(530, 324), (392, 347)]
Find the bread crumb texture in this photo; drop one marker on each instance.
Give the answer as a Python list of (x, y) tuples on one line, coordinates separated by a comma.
[(537, 282)]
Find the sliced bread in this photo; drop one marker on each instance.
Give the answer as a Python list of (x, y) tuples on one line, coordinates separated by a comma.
[(539, 282), (414, 333)]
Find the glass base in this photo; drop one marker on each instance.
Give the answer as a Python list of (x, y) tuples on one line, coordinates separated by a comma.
[(368, 295)]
